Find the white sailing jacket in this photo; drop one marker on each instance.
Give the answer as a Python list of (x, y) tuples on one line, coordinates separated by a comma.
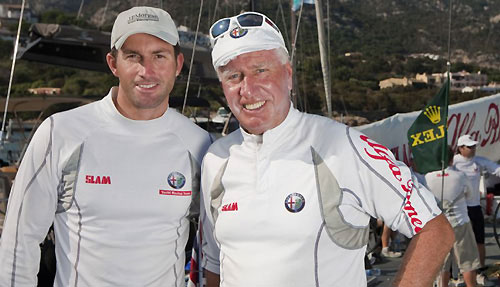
[(118, 192), (292, 207)]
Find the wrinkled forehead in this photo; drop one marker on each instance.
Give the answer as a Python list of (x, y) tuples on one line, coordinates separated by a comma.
[(252, 59)]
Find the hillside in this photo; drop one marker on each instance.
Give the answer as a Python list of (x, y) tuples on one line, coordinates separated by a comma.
[(385, 36), (389, 27)]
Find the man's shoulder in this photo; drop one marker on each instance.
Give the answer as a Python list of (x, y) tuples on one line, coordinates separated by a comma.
[(185, 126), (322, 129), (195, 139), (458, 158), (86, 113), (222, 145)]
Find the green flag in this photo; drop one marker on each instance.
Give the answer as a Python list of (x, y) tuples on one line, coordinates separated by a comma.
[(427, 136)]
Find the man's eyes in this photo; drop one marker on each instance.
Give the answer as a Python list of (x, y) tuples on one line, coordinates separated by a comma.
[(233, 76), (136, 56)]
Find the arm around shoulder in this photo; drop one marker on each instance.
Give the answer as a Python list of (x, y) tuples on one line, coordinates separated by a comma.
[(425, 254)]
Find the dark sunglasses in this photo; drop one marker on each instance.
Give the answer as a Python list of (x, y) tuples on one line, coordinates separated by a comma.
[(244, 20)]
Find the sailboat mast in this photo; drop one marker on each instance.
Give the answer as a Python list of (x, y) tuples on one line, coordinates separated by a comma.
[(324, 56), (14, 57), (80, 10)]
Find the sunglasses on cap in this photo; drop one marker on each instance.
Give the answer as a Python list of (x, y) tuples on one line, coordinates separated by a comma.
[(244, 20)]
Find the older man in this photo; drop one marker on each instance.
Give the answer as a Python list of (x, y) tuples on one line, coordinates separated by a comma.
[(289, 195), (117, 177)]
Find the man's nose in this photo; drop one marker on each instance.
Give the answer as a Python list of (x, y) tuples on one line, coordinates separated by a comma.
[(247, 86), (147, 67)]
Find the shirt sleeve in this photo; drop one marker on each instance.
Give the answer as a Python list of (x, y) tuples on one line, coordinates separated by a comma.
[(30, 213), (390, 191), (489, 165)]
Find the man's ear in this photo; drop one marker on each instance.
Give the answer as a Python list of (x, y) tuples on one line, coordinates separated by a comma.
[(111, 60), (289, 71), (180, 62)]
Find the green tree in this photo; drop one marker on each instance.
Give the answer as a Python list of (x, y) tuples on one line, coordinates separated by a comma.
[(74, 86)]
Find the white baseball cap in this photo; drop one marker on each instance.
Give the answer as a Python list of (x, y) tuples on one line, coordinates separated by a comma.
[(149, 20), (466, 140), (244, 33)]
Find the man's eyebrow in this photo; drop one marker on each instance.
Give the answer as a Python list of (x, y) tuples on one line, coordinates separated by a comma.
[(128, 51), (225, 71), (260, 65), (161, 51)]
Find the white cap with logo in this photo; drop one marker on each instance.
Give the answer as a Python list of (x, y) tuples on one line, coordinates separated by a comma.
[(149, 20), (466, 140), (237, 39)]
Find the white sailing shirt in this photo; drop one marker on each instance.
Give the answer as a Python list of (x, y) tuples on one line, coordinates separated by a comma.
[(292, 207), (456, 189), (118, 191)]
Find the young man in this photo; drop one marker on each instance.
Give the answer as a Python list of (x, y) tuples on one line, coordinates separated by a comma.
[(116, 177), (289, 195), (456, 189), (470, 164)]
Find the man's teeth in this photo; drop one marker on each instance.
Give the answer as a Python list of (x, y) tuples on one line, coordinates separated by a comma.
[(254, 105), (147, 86)]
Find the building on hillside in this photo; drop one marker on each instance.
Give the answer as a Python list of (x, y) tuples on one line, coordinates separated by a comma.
[(392, 82), (459, 81), (464, 79), (45, 91), (14, 10), (425, 55), (9, 14), (434, 79)]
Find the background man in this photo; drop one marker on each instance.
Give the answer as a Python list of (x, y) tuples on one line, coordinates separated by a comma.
[(290, 194), (456, 189), (467, 161), (116, 177)]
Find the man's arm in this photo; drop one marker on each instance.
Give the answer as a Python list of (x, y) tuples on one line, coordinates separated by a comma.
[(489, 165), (425, 254), (212, 279), (31, 210)]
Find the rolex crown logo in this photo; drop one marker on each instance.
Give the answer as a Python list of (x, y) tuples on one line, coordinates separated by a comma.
[(433, 113)]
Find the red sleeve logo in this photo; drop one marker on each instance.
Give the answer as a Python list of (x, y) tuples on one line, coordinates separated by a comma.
[(380, 152)]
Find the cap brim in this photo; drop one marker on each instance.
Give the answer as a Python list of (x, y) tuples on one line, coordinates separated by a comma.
[(473, 143)]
